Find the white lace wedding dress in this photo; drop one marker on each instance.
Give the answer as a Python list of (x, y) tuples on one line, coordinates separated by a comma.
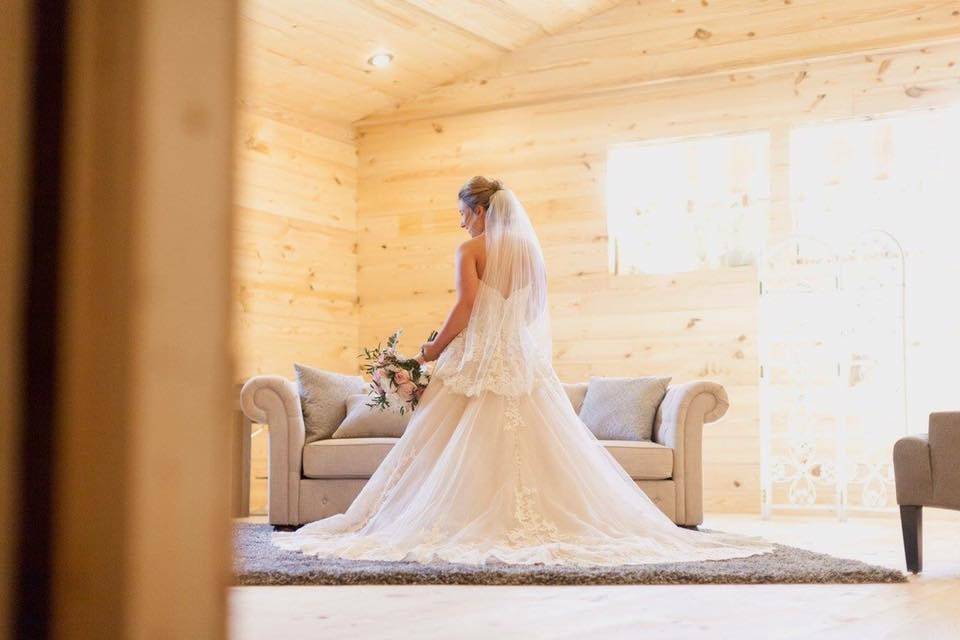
[(495, 465)]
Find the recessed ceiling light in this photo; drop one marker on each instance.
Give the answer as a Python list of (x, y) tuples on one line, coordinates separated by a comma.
[(380, 60)]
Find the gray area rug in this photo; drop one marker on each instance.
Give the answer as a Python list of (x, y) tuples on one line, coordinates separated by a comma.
[(258, 562)]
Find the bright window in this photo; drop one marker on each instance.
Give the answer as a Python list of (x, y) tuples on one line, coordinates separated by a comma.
[(689, 204), (898, 174)]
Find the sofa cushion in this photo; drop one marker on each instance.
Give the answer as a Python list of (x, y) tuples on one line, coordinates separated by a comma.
[(323, 399), (575, 391), (345, 457), (363, 421), (642, 459), (623, 408), (360, 457)]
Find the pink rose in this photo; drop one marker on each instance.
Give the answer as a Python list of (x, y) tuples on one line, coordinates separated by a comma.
[(401, 376), (407, 391)]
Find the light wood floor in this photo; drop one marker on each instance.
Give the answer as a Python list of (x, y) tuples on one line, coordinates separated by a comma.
[(928, 607)]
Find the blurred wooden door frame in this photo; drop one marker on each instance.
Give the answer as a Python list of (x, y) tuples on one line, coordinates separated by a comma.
[(15, 42), (139, 540), (240, 459)]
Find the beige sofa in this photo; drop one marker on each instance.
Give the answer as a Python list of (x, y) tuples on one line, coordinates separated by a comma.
[(320, 479)]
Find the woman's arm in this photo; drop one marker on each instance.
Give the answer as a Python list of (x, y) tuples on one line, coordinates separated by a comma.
[(468, 283)]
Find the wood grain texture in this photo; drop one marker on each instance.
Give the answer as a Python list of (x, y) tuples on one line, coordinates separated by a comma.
[(305, 78), (295, 271), (295, 267), (688, 325), (639, 43), (335, 251), (306, 62)]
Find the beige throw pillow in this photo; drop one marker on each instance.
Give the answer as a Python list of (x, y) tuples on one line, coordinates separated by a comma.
[(323, 398), (372, 422), (623, 408), (575, 391)]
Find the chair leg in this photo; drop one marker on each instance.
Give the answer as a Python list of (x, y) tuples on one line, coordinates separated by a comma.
[(911, 521)]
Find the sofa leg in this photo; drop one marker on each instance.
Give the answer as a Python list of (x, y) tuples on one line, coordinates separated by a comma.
[(911, 521), (689, 526)]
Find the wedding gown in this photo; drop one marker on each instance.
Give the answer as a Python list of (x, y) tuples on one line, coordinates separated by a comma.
[(495, 465)]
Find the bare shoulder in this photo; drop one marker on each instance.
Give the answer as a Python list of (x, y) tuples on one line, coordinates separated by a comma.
[(472, 248)]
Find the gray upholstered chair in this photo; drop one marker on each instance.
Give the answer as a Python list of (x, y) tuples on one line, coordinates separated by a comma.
[(927, 471)]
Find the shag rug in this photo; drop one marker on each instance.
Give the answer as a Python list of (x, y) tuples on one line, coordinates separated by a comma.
[(258, 562)]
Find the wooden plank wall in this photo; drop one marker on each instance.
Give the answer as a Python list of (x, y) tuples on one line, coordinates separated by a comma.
[(310, 58), (296, 255), (647, 41), (295, 274), (552, 153), (542, 117)]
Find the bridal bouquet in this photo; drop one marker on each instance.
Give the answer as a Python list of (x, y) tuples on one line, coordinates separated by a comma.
[(394, 375)]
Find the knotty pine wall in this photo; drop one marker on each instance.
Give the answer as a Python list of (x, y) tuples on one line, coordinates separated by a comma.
[(295, 285), (296, 262), (552, 153), (542, 117), (644, 41)]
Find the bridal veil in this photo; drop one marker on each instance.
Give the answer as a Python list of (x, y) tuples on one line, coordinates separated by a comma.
[(507, 346)]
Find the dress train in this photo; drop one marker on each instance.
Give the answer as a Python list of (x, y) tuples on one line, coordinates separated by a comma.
[(490, 478)]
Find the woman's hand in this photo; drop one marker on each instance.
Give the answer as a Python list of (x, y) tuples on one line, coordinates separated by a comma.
[(429, 351)]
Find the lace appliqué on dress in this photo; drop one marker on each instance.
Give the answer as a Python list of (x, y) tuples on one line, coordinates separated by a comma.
[(497, 351), (388, 489), (459, 370), (532, 528)]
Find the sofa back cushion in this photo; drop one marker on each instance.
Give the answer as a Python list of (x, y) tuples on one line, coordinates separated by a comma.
[(371, 422), (323, 398), (623, 408)]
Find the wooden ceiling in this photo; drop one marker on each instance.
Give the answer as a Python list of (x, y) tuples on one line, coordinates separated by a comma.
[(307, 59), (641, 43)]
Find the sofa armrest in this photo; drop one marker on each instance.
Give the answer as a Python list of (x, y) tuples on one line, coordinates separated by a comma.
[(274, 401), (944, 437), (679, 425), (678, 409), (911, 469)]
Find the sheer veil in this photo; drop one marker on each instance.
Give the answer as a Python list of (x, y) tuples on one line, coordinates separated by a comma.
[(507, 341)]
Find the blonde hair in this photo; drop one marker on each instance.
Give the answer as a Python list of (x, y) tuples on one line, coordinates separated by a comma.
[(477, 191)]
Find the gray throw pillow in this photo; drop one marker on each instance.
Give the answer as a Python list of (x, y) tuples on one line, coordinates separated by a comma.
[(623, 408), (323, 398), (372, 422)]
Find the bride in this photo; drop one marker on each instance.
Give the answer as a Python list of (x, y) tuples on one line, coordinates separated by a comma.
[(495, 465)]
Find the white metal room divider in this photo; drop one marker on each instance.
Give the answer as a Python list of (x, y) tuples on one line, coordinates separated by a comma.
[(832, 372)]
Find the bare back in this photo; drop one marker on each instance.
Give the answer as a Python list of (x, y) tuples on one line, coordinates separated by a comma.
[(478, 249)]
